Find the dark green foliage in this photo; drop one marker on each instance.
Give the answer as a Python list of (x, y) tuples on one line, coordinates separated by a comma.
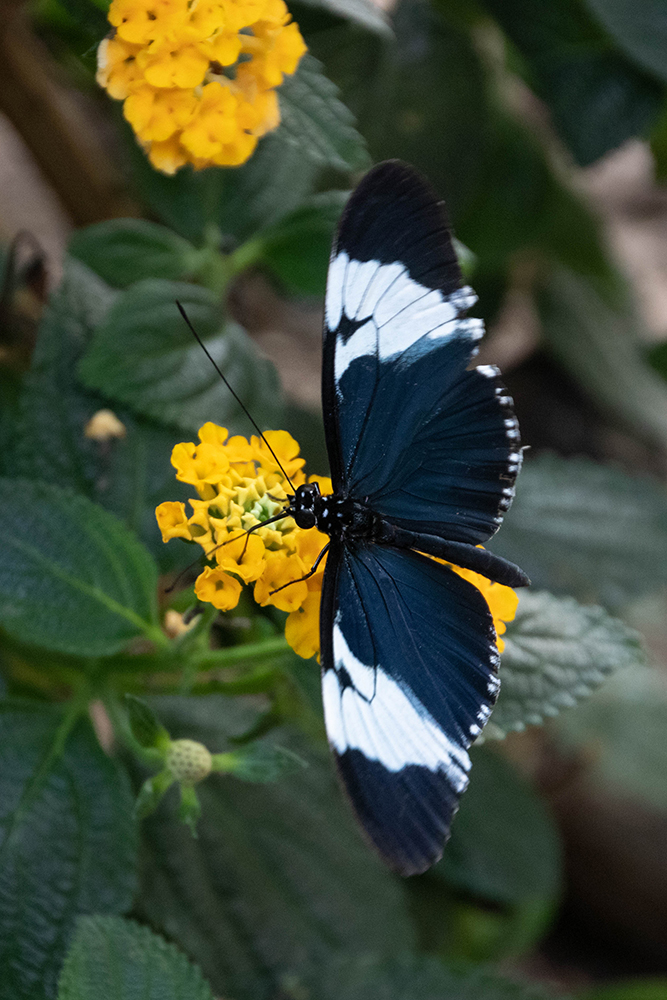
[(279, 895), (143, 354), (67, 843), (73, 578), (589, 530), (120, 959)]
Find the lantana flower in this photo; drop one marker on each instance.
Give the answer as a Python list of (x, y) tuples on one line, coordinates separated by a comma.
[(198, 78), (239, 485)]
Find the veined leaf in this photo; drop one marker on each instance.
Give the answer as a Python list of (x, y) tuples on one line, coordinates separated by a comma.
[(72, 577), (143, 354), (123, 251), (315, 119), (278, 880), (121, 959), (556, 653), (67, 844), (587, 529)]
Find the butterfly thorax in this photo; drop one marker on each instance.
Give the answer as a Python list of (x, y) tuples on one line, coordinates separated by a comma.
[(335, 515)]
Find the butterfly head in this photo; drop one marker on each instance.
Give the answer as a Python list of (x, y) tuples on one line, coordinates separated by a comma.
[(305, 505)]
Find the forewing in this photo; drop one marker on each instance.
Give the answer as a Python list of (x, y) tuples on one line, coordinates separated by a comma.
[(404, 418), (409, 676)]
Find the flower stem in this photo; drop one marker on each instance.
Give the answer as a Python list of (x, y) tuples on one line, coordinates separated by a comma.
[(235, 655)]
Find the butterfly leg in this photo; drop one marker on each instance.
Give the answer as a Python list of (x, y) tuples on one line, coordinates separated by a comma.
[(310, 572)]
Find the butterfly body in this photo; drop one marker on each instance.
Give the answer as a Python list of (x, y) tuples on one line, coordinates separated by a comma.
[(424, 451)]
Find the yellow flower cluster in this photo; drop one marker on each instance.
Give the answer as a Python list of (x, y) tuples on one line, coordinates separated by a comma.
[(240, 484), (198, 77)]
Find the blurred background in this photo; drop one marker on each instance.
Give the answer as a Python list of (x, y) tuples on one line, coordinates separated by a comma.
[(544, 127)]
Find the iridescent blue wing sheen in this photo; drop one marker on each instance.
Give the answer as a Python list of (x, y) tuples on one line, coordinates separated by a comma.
[(409, 676), (428, 443)]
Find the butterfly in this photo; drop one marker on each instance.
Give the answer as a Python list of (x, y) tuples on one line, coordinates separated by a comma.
[(424, 453)]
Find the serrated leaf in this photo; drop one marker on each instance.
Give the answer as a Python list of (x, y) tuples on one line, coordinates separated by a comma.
[(121, 959), (556, 653), (297, 249), (68, 844), (597, 97), (279, 878), (600, 348), (315, 119), (640, 30), (587, 529), (72, 577), (504, 846), (49, 441), (46, 441), (416, 977), (621, 731), (123, 251), (143, 354)]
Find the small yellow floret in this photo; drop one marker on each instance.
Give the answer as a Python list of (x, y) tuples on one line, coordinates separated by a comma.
[(104, 426)]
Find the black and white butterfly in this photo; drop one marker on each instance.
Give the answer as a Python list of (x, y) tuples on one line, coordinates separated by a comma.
[(424, 453)]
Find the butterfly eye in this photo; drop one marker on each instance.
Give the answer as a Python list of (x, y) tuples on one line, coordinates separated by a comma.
[(305, 518)]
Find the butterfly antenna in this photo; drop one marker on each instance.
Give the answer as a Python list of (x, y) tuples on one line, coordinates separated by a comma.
[(215, 365)]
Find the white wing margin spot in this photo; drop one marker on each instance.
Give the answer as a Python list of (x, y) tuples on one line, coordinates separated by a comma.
[(390, 726)]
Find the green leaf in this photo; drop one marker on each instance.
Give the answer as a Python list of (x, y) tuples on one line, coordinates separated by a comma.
[(314, 119), (72, 578), (112, 957), (600, 347), (146, 728), (144, 355), (50, 443), (68, 844), (298, 248), (633, 989), (587, 529), (640, 30), (556, 653), (416, 977), (420, 97), (278, 880), (240, 201), (597, 97), (46, 441), (123, 251), (260, 762), (504, 847), (621, 730)]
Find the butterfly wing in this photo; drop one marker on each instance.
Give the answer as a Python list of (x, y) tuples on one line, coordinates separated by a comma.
[(428, 443), (409, 676)]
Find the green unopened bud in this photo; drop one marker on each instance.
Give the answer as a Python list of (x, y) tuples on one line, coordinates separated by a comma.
[(188, 761)]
